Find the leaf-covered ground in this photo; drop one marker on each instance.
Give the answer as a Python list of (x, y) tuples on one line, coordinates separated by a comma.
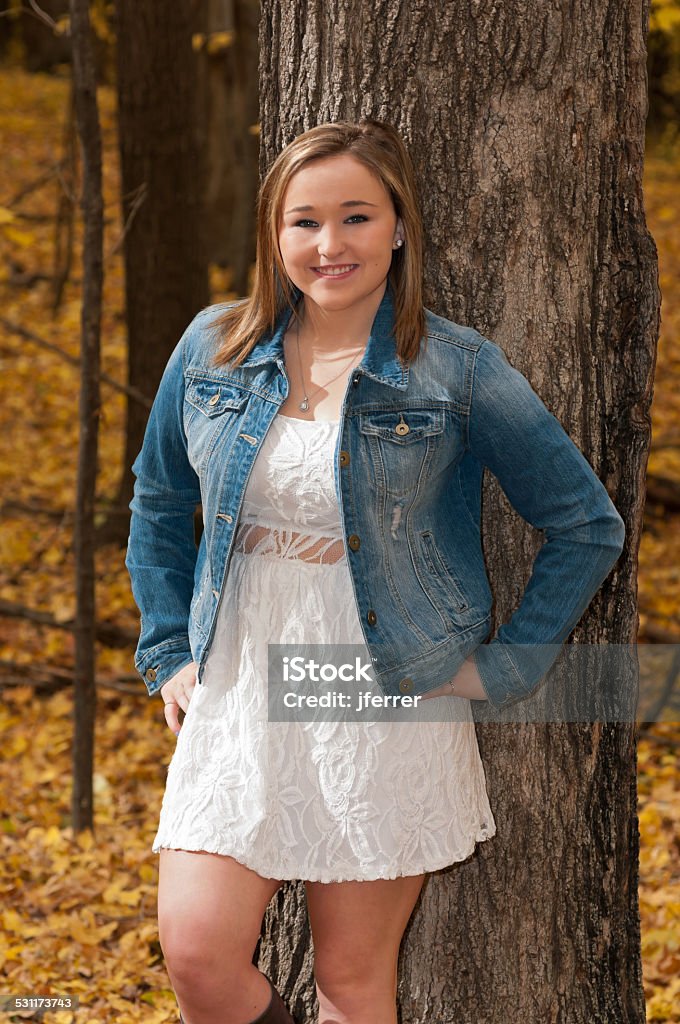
[(79, 913)]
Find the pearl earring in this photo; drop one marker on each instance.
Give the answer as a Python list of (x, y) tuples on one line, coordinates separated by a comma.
[(399, 242)]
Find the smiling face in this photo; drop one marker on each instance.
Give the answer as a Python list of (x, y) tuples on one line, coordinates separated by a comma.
[(337, 233)]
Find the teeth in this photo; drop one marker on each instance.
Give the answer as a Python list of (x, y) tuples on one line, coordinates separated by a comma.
[(331, 271)]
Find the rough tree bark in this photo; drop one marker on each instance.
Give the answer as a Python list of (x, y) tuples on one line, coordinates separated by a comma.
[(166, 271), (87, 118), (526, 123)]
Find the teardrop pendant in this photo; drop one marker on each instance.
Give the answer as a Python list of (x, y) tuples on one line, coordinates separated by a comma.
[(304, 405)]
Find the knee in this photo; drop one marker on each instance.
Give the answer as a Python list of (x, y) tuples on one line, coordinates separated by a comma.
[(183, 946), (192, 953), (346, 981)]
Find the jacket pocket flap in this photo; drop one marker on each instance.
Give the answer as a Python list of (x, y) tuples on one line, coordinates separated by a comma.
[(213, 397), (402, 426)]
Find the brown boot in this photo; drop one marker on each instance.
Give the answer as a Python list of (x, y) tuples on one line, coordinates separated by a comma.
[(275, 1013)]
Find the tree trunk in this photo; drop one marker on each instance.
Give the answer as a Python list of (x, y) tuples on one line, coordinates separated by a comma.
[(87, 117), (527, 129), (228, 87), (166, 273)]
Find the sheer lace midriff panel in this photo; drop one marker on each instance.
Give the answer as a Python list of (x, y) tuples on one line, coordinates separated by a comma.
[(282, 542)]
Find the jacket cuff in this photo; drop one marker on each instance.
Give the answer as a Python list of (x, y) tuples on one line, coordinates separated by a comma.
[(497, 672), (161, 663), (512, 672)]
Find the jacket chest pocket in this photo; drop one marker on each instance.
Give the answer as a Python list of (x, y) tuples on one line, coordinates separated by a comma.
[(402, 444), (211, 407)]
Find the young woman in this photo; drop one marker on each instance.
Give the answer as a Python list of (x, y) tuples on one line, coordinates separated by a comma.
[(335, 433)]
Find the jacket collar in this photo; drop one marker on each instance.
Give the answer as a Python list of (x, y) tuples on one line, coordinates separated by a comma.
[(379, 361)]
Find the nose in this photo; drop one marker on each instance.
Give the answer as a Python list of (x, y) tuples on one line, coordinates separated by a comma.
[(330, 243)]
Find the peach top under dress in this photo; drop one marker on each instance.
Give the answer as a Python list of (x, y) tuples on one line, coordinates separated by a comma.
[(325, 801)]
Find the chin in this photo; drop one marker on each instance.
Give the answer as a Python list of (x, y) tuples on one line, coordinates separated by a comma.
[(338, 304), (343, 299)]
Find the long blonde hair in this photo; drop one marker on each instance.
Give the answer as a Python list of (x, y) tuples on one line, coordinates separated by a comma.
[(379, 147)]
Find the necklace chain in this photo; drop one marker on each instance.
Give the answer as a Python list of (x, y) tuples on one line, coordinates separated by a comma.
[(304, 404)]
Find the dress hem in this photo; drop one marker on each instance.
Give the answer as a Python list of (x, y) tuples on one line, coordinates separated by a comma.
[(328, 876)]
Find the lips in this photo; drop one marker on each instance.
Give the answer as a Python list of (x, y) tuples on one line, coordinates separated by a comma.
[(340, 270)]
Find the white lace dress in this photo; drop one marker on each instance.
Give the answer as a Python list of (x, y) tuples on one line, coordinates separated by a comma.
[(324, 801)]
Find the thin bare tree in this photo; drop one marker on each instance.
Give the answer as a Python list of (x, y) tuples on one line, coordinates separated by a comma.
[(87, 118)]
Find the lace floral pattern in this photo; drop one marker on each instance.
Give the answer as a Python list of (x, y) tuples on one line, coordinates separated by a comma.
[(324, 801)]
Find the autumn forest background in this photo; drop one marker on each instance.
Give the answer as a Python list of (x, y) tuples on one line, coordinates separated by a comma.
[(78, 907)]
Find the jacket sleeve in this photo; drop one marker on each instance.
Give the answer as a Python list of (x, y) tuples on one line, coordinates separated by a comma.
[(553, 487), (161, 552)]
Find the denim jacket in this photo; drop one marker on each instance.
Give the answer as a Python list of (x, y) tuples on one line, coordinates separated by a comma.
[(412, 445)]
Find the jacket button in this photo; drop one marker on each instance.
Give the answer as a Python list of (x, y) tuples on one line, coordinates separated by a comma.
[(406, 685), (355, 380), (371, 617), (150, 674), (215, 399), (344, 458), (354, 542)]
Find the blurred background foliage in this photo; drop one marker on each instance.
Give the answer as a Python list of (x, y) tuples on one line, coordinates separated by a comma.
[(663, 67)]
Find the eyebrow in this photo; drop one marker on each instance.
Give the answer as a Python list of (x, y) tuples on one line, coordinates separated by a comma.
[(349, 202)]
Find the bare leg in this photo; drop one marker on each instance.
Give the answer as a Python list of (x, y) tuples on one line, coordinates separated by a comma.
[(210, 911), (357, 929)]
